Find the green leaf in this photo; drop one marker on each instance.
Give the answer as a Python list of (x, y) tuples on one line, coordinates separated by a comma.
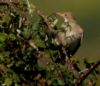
[(26, 32), (3, 36), (11, 36), (39, 42), (16, 77), (35, 23), (8, 81)]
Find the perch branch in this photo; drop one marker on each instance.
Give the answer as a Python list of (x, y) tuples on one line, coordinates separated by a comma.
[(84, 74)]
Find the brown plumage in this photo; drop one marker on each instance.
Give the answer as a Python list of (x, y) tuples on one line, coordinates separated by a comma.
[(72, 35)]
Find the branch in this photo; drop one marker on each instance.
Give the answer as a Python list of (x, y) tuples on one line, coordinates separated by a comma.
[(46, 22), (9, 3), (84, 74)]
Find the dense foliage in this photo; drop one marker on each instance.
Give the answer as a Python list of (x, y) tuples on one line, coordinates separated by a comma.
[(29, 54)]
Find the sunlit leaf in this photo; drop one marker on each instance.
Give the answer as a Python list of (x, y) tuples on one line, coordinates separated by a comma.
[(8, 81)]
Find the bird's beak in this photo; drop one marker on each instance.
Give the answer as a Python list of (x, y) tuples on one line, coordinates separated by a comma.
[(59, 14)]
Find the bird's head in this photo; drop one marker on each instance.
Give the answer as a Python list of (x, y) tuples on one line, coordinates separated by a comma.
[(68, 17)]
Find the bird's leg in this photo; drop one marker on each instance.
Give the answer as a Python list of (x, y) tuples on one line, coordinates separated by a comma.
[(68, 63), (70, 66)]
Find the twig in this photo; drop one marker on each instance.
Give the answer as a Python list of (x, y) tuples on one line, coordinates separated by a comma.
[(9, 3), (82, 76), (46, 22)]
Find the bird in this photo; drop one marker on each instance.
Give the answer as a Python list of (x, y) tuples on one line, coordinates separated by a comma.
[(71, 34)]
